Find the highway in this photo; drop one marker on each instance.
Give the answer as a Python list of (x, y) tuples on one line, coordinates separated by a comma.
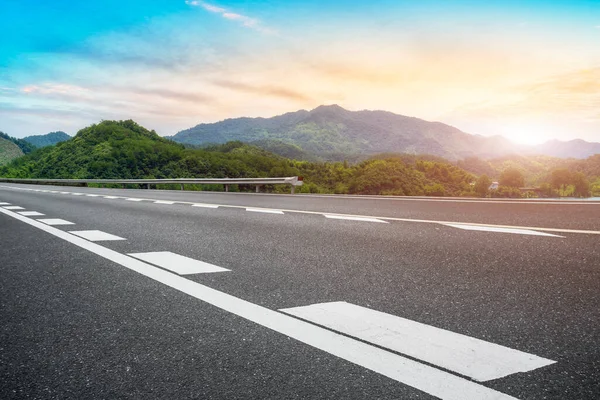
[(144, 294)]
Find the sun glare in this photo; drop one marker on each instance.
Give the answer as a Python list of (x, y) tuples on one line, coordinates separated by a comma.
[(527, 135)]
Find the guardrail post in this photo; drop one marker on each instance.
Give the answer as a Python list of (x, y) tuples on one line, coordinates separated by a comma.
[(257, 188), (293, 189), (227, 188), (182, 186)]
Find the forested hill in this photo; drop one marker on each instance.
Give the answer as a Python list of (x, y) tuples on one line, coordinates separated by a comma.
[(25, 146), (48, 139), (124, 149), (334, 133), (8, 151)]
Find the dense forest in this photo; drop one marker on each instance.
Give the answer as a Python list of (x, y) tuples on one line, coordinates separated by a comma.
[(124, 149)]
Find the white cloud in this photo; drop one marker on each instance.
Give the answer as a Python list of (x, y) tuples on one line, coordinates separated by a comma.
[(244, 20)]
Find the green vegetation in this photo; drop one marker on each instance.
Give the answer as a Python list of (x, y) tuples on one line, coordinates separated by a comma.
[(49, 139), (25, 146), (8, 151), (124, 149)]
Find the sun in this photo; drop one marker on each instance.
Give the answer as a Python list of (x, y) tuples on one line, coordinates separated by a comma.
[(527, 134)]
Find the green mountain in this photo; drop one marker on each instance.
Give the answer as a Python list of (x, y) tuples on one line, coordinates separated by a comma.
[(333, 133), (48, 139), (124, 149), (8, 151), (25, 146)]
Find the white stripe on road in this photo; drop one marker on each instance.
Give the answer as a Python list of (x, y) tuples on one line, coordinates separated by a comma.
[(65, 192), (205, 205), (111, 197), (501, 230), (475, 358), (133, 199), (31, 213), (430, 380), (353, 218), (264, 210), (77, 194), (179, 264), (55, 221), (13, 208), (96, 236), (164, 202), (92, 195), (4, 204)]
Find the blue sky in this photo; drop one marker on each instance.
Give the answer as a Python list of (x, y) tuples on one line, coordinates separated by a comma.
[(529, 70)]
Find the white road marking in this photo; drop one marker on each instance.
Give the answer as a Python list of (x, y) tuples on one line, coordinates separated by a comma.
[(13, 208), (468, 356), (386, 219), (265, 210), (177, 263), (205, 205), (133, 199), (92, 195), (427, 379), (65, 192), (164, 202), (77, 194), (55, 221), (500, 230), (31, 213), (4, 204), (354, 218), (96, 236)]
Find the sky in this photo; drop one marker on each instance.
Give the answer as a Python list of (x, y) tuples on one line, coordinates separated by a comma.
[(528, 69)]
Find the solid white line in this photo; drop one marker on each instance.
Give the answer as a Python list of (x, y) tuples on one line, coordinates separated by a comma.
[(501, 230), (468, 356), (264, 210), (205, 205), (354, 218), (164, 202), (55, 221), (177, 263), (31, 213), (96, 236), (420, 376), (13, 208)]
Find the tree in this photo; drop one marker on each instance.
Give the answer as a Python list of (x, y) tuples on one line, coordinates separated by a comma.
[(560, 179), (581, 184), (512, 177), (482, 185)]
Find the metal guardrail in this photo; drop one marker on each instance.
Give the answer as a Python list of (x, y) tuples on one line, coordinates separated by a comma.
[(293, 181)]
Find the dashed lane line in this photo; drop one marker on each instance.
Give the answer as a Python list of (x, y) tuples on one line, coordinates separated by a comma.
[(465, 355), (347, 216), (96, 236), (502, 230), (264, 210), (425, 378), (55, 221), (355, 218), (31, 213), (164, 202), (13, 208), (4, 204), (179, 264)]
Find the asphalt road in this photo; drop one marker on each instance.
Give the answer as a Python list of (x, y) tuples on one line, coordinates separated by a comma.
[(81, 319)]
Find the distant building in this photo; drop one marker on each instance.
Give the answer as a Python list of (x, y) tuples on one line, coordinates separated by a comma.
[(493, 186)]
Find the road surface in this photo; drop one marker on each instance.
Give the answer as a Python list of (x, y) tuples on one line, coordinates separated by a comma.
[(109, 293)]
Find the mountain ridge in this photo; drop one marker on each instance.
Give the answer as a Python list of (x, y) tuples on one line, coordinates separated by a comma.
[(332, 133)]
